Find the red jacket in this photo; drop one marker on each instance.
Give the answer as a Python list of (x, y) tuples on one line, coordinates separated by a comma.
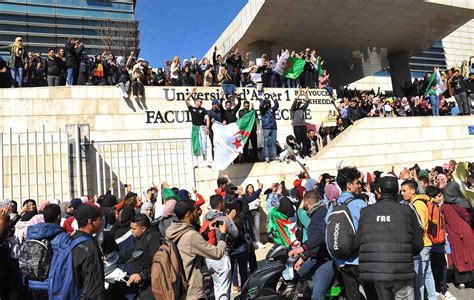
[(460, 236)]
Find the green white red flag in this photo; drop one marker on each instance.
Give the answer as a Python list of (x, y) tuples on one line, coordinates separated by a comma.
[(435, 81), (229, 140), (294, 67)]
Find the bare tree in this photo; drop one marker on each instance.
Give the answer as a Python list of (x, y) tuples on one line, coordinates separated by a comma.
[(118, 37)]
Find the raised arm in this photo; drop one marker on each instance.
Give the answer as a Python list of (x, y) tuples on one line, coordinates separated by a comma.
[(188, 97)]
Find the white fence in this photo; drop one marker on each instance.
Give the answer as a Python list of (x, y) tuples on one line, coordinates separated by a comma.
[(34, 165)]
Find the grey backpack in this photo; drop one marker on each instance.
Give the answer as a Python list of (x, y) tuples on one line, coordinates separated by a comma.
[(35, 259)]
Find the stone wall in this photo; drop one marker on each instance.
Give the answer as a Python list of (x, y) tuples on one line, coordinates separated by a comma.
[(107, 119)]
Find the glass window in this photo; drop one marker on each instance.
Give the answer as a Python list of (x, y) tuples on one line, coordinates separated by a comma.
[(43, 10), (69, 12), (75, 3), (13, 7), (49, 2)]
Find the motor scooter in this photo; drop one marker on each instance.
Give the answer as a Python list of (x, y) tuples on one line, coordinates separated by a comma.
[(268, 282)]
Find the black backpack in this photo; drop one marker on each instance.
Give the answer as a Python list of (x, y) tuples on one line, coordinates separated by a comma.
[(35, 259), (340, 232)]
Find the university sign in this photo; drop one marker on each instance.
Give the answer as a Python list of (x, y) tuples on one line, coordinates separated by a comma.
[(174, 109)]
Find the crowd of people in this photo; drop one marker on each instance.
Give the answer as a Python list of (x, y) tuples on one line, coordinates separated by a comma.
[(408, 231)]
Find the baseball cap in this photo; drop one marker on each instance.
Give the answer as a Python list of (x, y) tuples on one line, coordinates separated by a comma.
[(87, 211), (215, 102)]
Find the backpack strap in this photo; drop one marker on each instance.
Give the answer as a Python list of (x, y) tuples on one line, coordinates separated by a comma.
[(349, 200), (81, 239), (181, 266)]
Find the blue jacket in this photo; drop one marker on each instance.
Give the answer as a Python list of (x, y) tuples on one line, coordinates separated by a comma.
[(354, 207), (315, 246), (54, 233), (267, 115)]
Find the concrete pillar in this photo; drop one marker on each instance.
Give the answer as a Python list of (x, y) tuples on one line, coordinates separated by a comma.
[(259, 48), (399, 71)]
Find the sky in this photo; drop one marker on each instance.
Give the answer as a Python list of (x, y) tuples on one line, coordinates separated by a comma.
[(182, 27)]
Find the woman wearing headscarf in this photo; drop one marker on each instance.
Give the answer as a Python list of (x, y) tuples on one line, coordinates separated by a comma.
[(121, 229), (458, 216), (147, 210), (17, 62)]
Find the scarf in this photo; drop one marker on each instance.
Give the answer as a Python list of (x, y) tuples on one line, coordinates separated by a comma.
[(315, 207)]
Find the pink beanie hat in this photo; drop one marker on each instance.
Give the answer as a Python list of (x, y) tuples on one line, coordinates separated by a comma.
[(331, 192)]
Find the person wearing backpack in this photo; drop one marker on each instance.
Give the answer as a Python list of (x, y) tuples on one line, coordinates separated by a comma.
[(193, 247), (148, 241), (341, 230), (87, 264), (424, 273), (388, 236), (55, 236)]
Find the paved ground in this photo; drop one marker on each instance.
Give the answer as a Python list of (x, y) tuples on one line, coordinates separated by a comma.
[(466, 294)]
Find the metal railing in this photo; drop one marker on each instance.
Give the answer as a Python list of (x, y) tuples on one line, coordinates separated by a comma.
[(141, 163), (34, 165)]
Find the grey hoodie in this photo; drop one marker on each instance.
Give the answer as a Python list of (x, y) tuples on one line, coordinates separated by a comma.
[(192, 246)]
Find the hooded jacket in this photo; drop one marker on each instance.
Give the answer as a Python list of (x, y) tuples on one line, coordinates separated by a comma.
[(453, 195), (50, 231), (419, 203), (268, 114), (298, 113), (192, 248), (388, 237)]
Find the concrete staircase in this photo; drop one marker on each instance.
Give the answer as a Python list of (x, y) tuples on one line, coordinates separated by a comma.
[(370, 144)]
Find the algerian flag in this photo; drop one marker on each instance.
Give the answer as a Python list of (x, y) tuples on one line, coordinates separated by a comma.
[(281, 63), (195, 140), (281, 229), (229, 140), (294, 67), (436, 82)]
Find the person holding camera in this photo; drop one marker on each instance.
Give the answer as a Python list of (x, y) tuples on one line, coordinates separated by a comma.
[(222, 266), (74, 49)]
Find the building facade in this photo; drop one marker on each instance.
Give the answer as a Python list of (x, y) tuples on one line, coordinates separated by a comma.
[(450, 52), (45, 24)]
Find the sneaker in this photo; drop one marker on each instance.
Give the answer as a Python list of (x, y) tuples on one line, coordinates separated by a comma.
[(461, 286), (260, 245), (125, 95), (448, 296), (267, 160)]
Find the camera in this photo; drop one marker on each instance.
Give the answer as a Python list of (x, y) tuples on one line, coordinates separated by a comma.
[(219, 223)]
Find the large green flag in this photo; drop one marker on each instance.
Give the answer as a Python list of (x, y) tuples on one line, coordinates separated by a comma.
[(294, 67)]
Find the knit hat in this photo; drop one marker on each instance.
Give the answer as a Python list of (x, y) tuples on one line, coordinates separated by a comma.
[(331, 192), (145, 206), (297, 182), (183, 194), (76, 202), (310, 184)]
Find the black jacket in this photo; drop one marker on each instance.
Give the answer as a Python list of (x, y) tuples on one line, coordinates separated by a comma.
[(53, 66), (315, 245), (73, 54), (149, 242), (355, 113), (388, 237), (88, 269), (230, 116)]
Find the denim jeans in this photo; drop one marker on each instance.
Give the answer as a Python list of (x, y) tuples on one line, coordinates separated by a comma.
[(434, 105), (70, 76), (424, 276), (322, 278), (255, 215), (463, 103), (16, 76), (269, 143), (229, 89)]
